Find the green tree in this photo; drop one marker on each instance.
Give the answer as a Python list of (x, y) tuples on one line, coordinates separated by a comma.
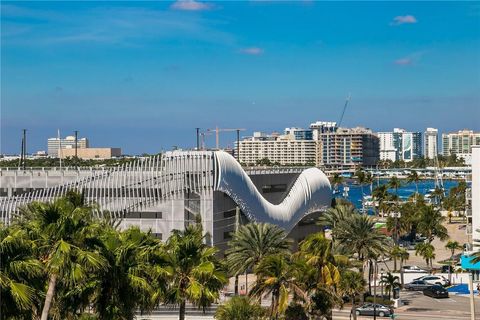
[(64, 233), (196, 274), (240, 308), (361, 178), (331, 217), (135, 278), (413, 177), (276, 276), (251, 243), (403, 256), (21, 275), (352, 284), (358, 235), (430, 224), (390, 282), (438, 194), (316, 250), (452, 246), (427, 251), (336, 180), (394, 183)]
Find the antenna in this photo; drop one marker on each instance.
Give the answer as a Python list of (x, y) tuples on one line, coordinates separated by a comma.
[(344, 109)]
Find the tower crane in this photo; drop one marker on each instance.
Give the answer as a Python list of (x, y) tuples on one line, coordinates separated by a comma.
[(217, 130), (344, 109)]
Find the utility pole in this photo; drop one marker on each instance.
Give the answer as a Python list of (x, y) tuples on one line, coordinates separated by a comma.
[(198, 138), (24, 145), (237, 222), (238, 145), (76, 143)]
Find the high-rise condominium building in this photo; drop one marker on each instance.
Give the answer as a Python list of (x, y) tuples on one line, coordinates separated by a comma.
[(460, 142), (400, 145), (299, 133), (54, 144), (346, 148), (430, 143), (282, 149)]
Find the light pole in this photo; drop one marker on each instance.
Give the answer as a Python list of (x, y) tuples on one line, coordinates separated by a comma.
[(472, 300)]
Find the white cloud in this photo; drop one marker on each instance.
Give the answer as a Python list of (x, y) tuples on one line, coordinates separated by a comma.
[(404, 61), (190, 5), (407, 19), (253, 51)]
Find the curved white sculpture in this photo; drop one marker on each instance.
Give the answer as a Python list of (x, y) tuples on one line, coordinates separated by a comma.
[(311, 192)]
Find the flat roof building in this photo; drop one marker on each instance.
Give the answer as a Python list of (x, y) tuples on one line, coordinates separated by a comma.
[(91, 153), (54, 144), (459, 142)]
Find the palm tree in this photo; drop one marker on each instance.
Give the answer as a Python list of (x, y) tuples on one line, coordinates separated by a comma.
[(317, 252), (240, 308), (358, 235), (415, 178), (403, 256), (369, 180), (427, 251), (136, 274), (380, 194), (64, 232), (276, 276), (352, 284), (390, 282), (430, 224), (21, 275), (361, 178), (251, 243), (196, 275), (452, 246), (395, 254), (331, 217), (438, 194), (394, 183), (336, 180)]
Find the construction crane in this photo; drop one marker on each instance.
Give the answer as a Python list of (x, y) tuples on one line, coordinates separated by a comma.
[(217, 130), (344, 109)]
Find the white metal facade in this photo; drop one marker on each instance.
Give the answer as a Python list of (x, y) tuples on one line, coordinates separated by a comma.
[(168, 183)]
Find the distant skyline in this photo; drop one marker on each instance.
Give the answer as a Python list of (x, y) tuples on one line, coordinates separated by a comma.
[(143, 75)]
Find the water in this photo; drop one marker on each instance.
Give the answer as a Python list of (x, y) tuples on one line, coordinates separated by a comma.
[(405, 191)]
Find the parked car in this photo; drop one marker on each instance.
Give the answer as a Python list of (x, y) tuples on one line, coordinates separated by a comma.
[(417, 285), (380, 310), (434, 279), (436, 291), (413, 269)]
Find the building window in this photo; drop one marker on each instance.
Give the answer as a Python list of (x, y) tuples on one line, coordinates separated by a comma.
[(274, 188)]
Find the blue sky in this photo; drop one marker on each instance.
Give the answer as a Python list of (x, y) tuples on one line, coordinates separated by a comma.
[(143, 75)]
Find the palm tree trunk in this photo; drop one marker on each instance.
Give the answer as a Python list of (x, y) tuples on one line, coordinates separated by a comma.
[(354, 308), (49, 297), (181, 315), (401, 272), (395, 263), (246, 282), (236, 285)]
